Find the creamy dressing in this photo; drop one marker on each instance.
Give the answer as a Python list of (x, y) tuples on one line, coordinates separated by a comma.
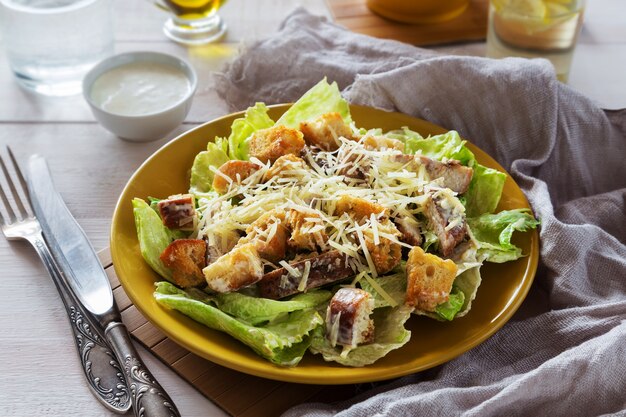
[(140, 88)]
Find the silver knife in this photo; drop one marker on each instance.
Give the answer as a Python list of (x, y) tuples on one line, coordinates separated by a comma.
[(90, 285)]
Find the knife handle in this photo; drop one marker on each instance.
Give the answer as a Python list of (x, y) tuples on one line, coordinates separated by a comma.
[(148, 398), (101, 369)]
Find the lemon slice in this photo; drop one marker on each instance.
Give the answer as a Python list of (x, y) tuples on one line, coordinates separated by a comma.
[(521, 8)]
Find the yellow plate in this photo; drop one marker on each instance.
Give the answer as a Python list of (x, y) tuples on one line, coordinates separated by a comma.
[(503, 288)]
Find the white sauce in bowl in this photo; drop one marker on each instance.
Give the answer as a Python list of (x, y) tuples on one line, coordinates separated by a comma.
[(140, 88)]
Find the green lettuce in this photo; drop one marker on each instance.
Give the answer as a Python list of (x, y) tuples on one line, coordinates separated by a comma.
[(448, 145), (484, 191), (486, 186), (255, 310), (283, 342), (256, 118), (493, 232), (403, 134), (463, 292), (153, 236), (394, 285), (449, 309), (321, 98), (201, 181), (389, 333)]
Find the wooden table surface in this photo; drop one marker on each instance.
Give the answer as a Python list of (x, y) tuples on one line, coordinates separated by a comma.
[(40, 370)]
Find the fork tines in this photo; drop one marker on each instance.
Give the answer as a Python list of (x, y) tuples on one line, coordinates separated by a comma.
[(10, 192)]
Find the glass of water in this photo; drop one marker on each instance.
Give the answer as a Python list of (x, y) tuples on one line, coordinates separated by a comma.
[(51, 44), (535, 29)]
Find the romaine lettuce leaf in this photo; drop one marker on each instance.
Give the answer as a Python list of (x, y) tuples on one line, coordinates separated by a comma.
[(255, 310), (493, 233), (283, 343), (463, 292), (153, 236), (389, 333), (484, 191), (468, 283), (449, 309), (448, 145), (201, 174), (256, 118), (321, 98), (403, 134), (393, 285)]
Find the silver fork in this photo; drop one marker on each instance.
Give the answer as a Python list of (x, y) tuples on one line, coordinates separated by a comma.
[(18, 222)]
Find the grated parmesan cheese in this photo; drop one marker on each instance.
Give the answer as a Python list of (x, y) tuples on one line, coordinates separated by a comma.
[(290, 269), (305, 276)]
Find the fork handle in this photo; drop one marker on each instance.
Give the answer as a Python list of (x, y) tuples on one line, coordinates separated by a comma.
[(103, 373)]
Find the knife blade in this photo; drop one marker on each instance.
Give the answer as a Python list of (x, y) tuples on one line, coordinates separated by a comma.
[(89, 283)]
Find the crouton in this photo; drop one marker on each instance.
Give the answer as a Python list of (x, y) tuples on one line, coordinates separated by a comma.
[(348, 321), (429, 279), (178, 211), (270, 144), (284, 164), (307, 231), (233, 171), (358, 208), (269, 235), (186, 258), (324, 131), (241, 267), (386, 254), (382, 142), (324, 269)]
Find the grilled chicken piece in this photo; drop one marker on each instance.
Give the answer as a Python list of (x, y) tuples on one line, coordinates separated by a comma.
[(241, 267), (446, 217), (283, 165), (326, 268), (236, 171), (358, 208), (270, 144), (455, 176), (269, 235), (307, 231), (409, 229), (324, 131), (186, 258), (348, 321), (387, 254), (382, 142), (429, 279), (355, 165), (178, 211)]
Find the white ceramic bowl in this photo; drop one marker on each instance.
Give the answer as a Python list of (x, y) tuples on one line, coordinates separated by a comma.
[(144, 127)]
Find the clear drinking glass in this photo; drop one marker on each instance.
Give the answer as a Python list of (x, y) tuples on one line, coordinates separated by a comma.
[(535, 29), (51, 44), (193, 22)]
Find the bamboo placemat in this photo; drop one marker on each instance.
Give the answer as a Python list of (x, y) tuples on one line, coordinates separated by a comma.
[(238, 394), (471, 25)]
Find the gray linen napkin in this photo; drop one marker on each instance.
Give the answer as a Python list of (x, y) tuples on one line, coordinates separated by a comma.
[(564, 352)]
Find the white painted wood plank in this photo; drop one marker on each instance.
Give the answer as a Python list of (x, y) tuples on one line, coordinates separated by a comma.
[(16, 104), (40, 375), (246, 19)]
